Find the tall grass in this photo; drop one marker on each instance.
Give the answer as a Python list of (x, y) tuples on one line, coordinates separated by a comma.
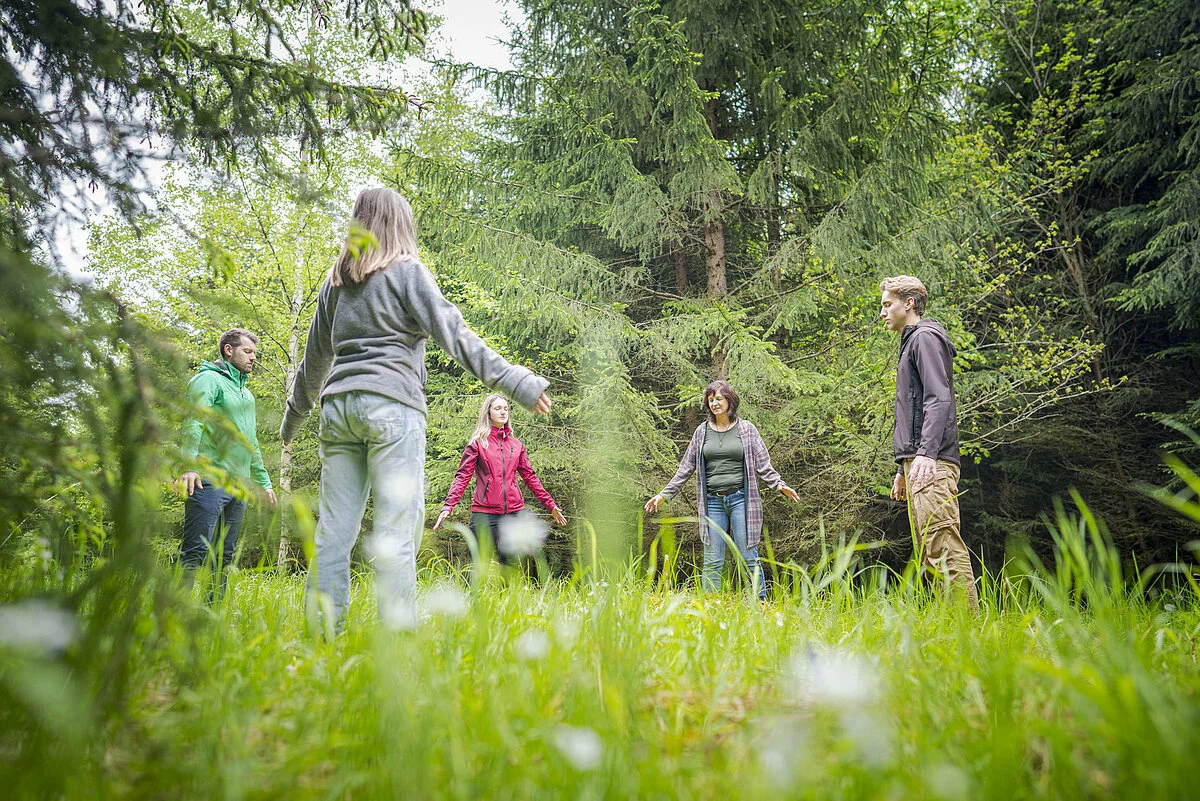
[(1074, 684)]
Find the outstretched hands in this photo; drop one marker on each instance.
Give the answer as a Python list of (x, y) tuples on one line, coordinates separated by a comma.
[(658, 500), (543, 404), (556, 513)]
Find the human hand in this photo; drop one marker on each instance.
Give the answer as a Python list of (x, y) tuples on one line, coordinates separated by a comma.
[(558, 516), (653, 504), (271, 497), (921, 472), (441, 519), (191, 482), (543, 404), (790, 493), (898, 487)]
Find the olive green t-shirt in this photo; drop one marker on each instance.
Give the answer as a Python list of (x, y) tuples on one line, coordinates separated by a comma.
[(724, 460)]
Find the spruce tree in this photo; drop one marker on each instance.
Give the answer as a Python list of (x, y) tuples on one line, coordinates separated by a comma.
[(674, 192)]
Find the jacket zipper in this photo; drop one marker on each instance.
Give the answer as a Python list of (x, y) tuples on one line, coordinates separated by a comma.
[(914, 400), (503, 479)]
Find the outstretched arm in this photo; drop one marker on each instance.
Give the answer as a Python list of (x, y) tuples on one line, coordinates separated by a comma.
[(445, 324), (687, 466), (766, 471), (314, 367), (525, 470), (462, 477)]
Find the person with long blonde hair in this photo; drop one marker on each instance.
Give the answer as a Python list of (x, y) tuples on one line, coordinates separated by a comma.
[(495, 458), (364, 362)]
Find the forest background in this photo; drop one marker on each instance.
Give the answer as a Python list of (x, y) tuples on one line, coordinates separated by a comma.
[(656, 194)]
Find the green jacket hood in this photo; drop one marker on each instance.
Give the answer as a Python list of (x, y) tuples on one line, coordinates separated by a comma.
[(225, 369)]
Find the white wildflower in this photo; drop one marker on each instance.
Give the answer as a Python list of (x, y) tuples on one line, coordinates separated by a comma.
[(394, 559), (566, 629), (531, 645), (785, 752), (387, 549), (37, 627), (522, 534), (580, 745), (446, 600), (834, 678), (397, 613), (871, 734), (398, 487), (948, 782)]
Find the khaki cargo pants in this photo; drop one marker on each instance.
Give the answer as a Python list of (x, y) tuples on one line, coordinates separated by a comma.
[(933, 510)]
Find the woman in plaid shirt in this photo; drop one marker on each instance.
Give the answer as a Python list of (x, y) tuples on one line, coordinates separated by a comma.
[(728, 456)]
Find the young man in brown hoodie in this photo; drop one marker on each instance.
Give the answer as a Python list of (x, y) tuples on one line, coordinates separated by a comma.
[(926, 438)]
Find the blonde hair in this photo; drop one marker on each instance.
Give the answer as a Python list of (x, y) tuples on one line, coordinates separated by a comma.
[(483, 429), (382, 232), (906, 286)]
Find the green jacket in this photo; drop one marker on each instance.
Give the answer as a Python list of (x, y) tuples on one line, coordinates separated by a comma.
[(222, 387)]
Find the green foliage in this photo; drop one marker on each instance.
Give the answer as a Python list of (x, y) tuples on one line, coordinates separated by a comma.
[(1072, 95), (214, 75), (854, 684), (718, 205)]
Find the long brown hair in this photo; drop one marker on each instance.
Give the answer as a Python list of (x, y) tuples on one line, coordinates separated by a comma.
[(730, 395), (382, 232)]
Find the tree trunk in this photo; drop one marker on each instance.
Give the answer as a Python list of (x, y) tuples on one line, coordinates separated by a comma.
[(714, 224), (714, 246), (774, 233), (681, 278), (293, 362), (295, 306)]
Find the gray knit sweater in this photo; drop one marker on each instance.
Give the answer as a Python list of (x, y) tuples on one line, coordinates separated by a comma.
[(371, 337)]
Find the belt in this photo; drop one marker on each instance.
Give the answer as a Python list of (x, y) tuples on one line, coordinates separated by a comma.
[(723, 493)]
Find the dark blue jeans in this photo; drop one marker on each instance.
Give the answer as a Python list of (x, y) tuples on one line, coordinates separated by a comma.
[(485, 521), (212, 521)]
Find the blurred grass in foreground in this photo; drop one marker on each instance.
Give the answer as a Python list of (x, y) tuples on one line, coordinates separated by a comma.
[(1073, 685)]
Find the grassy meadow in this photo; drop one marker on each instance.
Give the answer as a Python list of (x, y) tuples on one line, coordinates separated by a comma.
[(1073, 684)]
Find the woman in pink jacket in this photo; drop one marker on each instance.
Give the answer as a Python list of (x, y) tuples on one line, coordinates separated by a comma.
[(495, 458)]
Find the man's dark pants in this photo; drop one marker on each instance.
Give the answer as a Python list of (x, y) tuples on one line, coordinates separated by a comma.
[(212, 521)]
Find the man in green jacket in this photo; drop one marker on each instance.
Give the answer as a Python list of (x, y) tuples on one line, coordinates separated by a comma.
[(221, 448)]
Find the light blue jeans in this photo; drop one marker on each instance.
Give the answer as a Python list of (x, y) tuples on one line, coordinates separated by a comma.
[(370, 442), (728, 514)]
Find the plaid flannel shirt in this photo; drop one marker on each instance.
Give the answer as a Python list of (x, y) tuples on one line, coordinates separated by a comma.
[(757, 465)]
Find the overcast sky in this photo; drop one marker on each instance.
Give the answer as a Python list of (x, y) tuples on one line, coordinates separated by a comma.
[(472, 27), (470, 31)]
